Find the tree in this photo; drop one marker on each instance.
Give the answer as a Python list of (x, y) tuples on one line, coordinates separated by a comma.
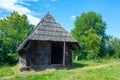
[(13, 29), (113, 45), (90, 32)]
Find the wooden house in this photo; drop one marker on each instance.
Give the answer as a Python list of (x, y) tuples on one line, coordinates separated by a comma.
[(48, 45)]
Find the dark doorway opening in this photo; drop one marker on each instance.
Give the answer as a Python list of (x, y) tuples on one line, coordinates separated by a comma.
[(57, 53)]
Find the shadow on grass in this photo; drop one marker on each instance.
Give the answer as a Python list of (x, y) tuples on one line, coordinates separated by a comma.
[(7, 65), (55, 67), (77, 65)]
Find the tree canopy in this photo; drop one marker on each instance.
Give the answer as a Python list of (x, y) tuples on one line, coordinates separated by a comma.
[(90, 32), (13, 30), (113, 47)]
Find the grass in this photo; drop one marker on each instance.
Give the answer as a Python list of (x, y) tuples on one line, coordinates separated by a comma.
[(84, 70), (6, 71)]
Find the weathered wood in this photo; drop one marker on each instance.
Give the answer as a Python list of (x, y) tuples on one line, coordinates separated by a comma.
[(39, 55), (68, 56), (63, 53)]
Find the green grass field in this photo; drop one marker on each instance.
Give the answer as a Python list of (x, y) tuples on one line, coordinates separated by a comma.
[(84, 70)]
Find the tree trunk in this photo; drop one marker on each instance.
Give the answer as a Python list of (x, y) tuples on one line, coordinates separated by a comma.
[(76, 57)]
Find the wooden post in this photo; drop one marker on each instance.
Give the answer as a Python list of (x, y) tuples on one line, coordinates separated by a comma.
[(63, 53)]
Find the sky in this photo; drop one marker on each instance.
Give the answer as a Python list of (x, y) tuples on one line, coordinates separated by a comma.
[(65, 11)]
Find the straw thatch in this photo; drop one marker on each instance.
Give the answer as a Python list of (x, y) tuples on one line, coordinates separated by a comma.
[(48, 30)]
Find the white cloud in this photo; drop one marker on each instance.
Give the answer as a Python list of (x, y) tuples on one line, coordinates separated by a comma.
[(30, 0), (49, 6), (73, 17), (23, 3), (32, 19), (12, 5)]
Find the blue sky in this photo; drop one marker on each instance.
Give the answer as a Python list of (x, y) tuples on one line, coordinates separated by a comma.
[(65, 11)]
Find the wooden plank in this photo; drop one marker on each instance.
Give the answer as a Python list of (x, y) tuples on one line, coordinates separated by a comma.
[(63, 53)]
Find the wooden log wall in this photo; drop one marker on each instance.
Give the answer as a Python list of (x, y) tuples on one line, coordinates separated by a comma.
[(68, 58), (39, 53)]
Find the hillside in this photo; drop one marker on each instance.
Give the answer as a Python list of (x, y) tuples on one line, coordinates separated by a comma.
[(83, 70)]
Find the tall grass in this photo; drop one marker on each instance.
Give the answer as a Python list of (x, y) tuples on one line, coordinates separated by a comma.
[(83, 70), (6, 71)]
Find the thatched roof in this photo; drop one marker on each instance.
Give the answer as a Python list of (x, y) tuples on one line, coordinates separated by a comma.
[(48, 30)]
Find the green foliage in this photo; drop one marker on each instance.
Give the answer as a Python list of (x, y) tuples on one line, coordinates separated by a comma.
[(13, 30), (90, 32), (113, 46)]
